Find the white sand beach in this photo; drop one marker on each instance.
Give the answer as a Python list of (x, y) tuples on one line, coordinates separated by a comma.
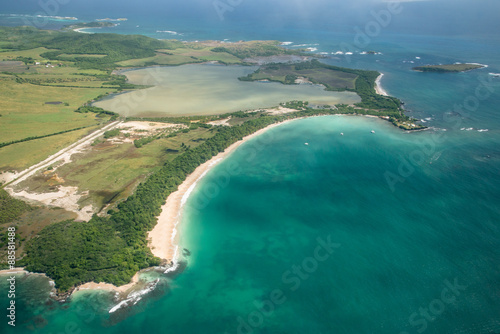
[(163, 238), (378, 86)]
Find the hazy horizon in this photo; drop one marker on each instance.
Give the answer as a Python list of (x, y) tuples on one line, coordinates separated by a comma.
[(439, 17)]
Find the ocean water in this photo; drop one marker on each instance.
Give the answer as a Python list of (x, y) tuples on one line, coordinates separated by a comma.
[(384, 232)]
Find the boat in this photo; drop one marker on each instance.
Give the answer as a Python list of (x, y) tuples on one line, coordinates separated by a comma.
[(373, 131), (341, 133), (306, 144)]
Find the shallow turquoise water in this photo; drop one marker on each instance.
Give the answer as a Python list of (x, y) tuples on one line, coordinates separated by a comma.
[(420, 256), (254, 237)]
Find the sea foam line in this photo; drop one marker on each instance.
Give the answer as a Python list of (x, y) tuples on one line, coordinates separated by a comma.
[(185, 197), (134, 297), (378, 86)]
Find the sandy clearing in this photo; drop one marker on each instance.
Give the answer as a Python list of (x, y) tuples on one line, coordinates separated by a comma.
[(280, 110), (65, 197), (147, 126), (140, 129), (223, 122)]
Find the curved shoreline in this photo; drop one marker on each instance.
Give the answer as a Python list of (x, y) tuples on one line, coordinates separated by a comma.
[(163, 239), (378, 86)]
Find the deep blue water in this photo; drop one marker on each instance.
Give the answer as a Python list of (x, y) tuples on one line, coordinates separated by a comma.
[(413, 217)]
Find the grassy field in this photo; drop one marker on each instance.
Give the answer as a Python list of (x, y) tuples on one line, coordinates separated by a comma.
[(65, 71), (25, 114), (330, 78), (33, 53), (12, 66), (159, 59), (191, 53), (23, 155), (205, 54), (182, 56), (250, 49), (110, 172), (71, 55)]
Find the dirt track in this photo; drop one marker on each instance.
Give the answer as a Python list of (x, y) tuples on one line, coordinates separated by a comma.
[(64, 154)]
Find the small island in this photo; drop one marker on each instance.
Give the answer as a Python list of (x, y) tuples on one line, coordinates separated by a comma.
[(85, 25), (449, 68)]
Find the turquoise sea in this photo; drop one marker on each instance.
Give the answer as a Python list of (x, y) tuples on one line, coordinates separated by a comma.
[(384, 232)]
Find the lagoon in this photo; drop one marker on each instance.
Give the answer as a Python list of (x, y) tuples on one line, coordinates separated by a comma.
[(207, 89)]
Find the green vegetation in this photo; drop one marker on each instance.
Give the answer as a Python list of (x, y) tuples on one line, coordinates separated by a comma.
[(109, 51), (95, 24), (244, 50), (334, 78), (316, 72), (143, 141), (25, 154), (76, 69), (87, 255), (448, 68), (72, 253), (113, 249), (96, 110), (111, 171), (10, 208), (26, 116), (39, 137), (111, 133)]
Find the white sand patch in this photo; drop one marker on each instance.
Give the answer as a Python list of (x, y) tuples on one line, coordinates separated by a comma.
[(139, 129), (378, 86), (65, 197), (280, 110), (129, 127), (302, 81), (7, 177), (223, 122)]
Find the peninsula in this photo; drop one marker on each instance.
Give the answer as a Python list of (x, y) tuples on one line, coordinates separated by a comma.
[(449, 68), (89, 219)]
